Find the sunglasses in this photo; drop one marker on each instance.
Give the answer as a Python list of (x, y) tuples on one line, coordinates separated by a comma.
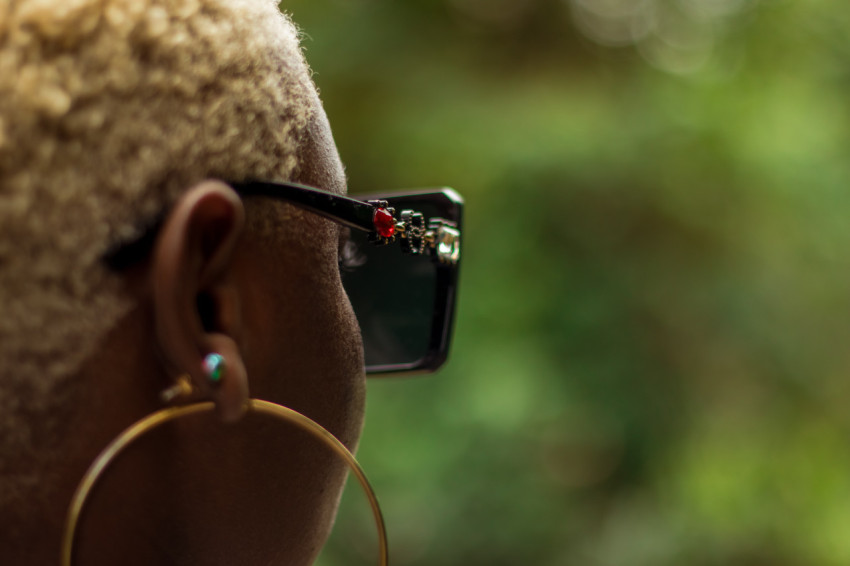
[(399, 267)]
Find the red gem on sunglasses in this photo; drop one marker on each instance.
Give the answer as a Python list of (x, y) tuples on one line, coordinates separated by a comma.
[(384, 223)]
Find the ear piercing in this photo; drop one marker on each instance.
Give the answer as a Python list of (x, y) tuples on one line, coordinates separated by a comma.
[(181, 388), (214, 368)]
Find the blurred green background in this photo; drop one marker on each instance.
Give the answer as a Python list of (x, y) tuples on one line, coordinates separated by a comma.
[(651, 362)]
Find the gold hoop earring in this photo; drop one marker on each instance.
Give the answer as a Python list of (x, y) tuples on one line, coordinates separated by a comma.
[(152, 421)]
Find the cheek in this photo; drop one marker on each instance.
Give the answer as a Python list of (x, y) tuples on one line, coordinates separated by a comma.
[(301, 341), (302, 349)]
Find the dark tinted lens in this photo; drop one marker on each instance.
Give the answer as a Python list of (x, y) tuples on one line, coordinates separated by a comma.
[(404, 303), (393, 297)]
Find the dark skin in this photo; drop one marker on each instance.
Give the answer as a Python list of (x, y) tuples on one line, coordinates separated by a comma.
[(226, 487)]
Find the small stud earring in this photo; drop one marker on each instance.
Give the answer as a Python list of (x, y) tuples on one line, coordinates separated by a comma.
[(214, 368)]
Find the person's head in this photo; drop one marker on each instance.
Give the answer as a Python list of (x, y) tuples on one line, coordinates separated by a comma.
[(120, 118)]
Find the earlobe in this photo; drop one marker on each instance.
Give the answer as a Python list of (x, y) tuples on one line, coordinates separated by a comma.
[(196, 305)]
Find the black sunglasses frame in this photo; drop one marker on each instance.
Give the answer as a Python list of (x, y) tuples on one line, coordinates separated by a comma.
[(438, 237)]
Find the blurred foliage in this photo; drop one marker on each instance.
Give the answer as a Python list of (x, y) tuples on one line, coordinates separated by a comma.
[(650, 363)]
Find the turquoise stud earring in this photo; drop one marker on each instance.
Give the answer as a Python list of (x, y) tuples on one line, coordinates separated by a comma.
[(214, 368)]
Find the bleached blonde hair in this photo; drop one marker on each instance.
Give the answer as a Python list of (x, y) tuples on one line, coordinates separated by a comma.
[(108, 110)]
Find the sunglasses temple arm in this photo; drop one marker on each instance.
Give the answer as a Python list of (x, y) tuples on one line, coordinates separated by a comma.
[(344, 210)]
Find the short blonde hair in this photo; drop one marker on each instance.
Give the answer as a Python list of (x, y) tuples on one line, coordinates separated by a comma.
[(108, 109)]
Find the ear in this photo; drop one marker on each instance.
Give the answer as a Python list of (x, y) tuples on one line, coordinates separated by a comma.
[(196, 304)]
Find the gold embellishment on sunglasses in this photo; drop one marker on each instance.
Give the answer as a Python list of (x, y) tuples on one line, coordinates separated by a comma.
[(441, 239), (446, 238)]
